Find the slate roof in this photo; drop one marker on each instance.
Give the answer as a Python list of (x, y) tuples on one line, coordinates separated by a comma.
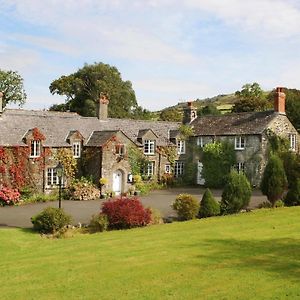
[(99, 138), (56, 127), (233, 124)]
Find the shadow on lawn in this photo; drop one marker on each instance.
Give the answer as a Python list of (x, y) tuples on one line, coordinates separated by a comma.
[(280, 256)]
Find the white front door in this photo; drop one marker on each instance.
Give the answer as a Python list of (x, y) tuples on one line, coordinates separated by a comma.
[(117, 182), (200, 179)]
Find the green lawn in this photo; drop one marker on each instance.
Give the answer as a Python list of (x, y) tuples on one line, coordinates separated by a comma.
[(248, 256)]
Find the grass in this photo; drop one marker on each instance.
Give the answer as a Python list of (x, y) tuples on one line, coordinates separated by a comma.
[(248, 256)]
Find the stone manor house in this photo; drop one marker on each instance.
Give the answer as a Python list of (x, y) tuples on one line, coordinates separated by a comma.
[(30, 140)]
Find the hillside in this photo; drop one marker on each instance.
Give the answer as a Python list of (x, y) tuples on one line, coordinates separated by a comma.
[(246, 256)]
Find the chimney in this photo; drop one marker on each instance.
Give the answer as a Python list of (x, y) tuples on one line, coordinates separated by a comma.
[(102, 107), (279, 101), (190, 113), (1, 103)]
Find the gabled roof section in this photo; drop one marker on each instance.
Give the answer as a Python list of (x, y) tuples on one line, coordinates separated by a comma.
[(233, 124), (74, 134), (99, 138), (174, 134), (143, 132)]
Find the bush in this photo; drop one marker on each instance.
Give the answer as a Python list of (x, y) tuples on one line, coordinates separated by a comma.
[(156, 217), (186, 206), (50, 220), (236, 194), (267, 204), (123, 213), (292, 198), (83, 189), (34, 198), (9, 196), (209, 206), (98, 223), (274, 180)]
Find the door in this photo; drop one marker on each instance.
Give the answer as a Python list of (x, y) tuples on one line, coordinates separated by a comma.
[(200, 179), (117, 182)]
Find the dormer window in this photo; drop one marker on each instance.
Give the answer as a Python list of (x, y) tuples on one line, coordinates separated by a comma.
[(239, 143), (76, 147), (293, 142), (35, 148), (149, 146), (180, 147)]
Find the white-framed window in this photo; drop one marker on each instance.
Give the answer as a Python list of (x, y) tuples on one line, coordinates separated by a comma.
[(168, 168), (150, 169), (149, 146), (200, 141), (52, 178), (240, 167), (178, 168), (76, 147), (120, 149), (293, 142), (239, 143), (180, 147), (35, 148)]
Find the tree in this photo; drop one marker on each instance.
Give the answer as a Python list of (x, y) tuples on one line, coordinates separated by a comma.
[(274, 180), (11, 85), (236, 194), (217, 159), (170, 114), (82, 90), (209, 206), (293, 196), (250, 98), (209, 109)]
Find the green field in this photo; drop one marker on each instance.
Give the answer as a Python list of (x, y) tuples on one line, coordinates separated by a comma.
[(254, 255)]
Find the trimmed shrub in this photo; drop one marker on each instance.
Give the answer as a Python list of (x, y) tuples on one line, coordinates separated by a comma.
[(186, 206), (274, 180), (123, 213), (9, 196), (156, 217), (267, 204), (83, 189), (98, 223), (236, 194), (292, 198), (209, 206), (51, 220)]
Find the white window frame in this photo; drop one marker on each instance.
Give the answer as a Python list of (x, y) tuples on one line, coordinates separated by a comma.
[(76, 148), (51, 174), (293, 142), (200, 141), (168, 169), (150, 169), (149, 147), (240, 167), (180, 147), (35, 148), (120, 149), (239, 143), (178, 168)]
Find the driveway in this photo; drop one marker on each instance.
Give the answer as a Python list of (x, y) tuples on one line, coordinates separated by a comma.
[(81, 211)]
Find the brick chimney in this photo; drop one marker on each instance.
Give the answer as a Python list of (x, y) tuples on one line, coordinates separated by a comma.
[(190, 113), (1, 103), (102, 107), (279, 101)]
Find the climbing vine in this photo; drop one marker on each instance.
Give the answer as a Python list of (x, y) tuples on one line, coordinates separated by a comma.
[(65, 157)]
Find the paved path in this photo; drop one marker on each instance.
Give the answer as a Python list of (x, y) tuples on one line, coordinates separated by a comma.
[(19, 216)]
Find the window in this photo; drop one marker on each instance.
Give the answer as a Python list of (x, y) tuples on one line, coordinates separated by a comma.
[(149, 147), (239, 143), (52, 178), (150, 168), (168, 168), (200, 141), (178, 168), (240, 167), (35, 148), (180, 147), (120, 149), (76, 149), (293, 142)]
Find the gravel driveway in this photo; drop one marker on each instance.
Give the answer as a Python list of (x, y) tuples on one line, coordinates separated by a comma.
[(19, 216)]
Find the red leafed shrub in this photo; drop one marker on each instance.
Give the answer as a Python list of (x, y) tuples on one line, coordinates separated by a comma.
[(9, 196), (126, 212)]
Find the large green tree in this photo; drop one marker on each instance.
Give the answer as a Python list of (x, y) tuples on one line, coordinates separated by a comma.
[(209, 109), (82, 90), (170, 114), (11, 85), (250, 98)]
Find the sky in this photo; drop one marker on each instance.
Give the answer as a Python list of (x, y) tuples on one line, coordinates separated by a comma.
[(171, 51)]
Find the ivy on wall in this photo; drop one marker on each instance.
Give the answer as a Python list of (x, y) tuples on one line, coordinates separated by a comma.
[(65, 156)]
